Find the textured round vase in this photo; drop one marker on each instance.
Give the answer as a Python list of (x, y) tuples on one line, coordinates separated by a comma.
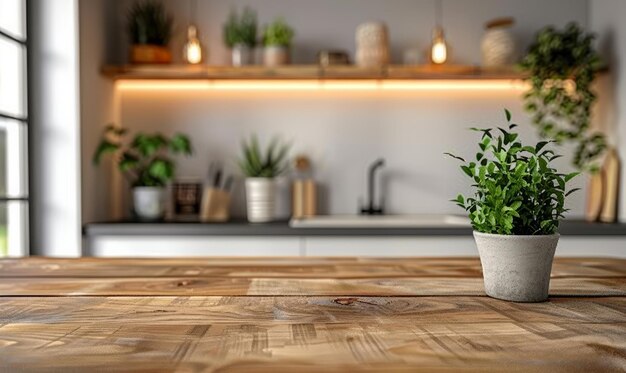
[(149, 202), (261, 199), (498, 47), (516, 268), (372, 45)]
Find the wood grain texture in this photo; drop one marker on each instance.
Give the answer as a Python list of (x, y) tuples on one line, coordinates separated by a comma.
[(304, 315)]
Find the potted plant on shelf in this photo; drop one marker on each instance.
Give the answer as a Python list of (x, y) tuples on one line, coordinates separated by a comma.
[(146, 165), (149, 29), (277, 43), (240, 36), (515, 211), (261, 168)]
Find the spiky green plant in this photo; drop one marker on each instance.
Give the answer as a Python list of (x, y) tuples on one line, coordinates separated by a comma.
[(149, 23), (278, 33), (241, 29), (144, 160), (269, 163)]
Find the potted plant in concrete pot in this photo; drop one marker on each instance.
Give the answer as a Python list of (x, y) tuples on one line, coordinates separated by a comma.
[(261, 168), (145, 163), (515, 211), (277, 42), (240, 32), (149, 29)]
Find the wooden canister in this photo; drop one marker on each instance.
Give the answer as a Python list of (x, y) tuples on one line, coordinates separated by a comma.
[(304, 198), (215, 205)]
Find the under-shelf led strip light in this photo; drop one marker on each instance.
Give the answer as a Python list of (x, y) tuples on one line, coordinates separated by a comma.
[(322, 85)]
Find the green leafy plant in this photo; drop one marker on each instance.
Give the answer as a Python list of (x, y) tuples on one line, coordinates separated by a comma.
[(278, 33), (241, 29), (144, 160), (269, 163), (517, 192), (149, 23), (561, 66)]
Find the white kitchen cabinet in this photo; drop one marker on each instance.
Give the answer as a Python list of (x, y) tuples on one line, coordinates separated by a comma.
[(390, 246), (192, 246), (587, 246)]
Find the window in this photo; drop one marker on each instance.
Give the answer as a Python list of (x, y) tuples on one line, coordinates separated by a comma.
[(13, 130)]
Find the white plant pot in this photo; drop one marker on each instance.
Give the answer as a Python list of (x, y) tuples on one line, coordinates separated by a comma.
[(516, 268), (275, 55), (242, 55), (149, 202), (261, 199)]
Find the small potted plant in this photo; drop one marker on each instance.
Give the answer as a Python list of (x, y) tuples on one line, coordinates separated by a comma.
[(277, 42), (240, 32), (515, 211), (150, 30), (261, 168), (146, 165)]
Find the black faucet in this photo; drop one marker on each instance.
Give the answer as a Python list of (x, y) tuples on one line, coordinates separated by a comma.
[(371, 209)]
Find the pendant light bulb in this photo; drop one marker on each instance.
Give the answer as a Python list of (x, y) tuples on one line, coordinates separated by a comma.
[(192, 49), (439, 49)]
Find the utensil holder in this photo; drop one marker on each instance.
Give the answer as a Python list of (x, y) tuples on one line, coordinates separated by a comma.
[(215, 205)]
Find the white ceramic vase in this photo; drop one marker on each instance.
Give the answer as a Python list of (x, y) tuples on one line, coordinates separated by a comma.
[(516, 268), (372, 45), (149, 202), (498, 47), (275, 55), (261, 199), (241, 55)]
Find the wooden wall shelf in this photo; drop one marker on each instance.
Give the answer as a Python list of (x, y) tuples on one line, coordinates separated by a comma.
[(308, 72)]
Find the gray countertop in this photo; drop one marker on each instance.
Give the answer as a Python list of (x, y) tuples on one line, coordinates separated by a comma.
[(243, 228)]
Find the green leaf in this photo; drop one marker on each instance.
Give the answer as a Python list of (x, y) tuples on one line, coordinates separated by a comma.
[(570, 176), (508, 115), (104, 147), (180, 144)]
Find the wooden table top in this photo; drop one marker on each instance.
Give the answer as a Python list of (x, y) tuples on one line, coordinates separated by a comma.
[(304, 315)]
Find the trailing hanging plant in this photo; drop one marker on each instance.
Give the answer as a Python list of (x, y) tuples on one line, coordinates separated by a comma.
[(149, 23), (561, 66), (517, 192), (144, 160), (269, 163), (241, 29)]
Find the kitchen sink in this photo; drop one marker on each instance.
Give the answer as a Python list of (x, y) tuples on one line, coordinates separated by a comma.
[(381, 221)]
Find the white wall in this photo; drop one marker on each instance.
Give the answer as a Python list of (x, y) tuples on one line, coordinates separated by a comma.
[(55, 131), (607, 20)]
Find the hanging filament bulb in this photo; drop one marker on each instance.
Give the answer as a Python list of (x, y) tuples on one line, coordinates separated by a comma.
[(193, 49), (439, 49)]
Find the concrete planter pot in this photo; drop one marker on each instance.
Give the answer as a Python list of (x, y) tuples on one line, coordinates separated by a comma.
[(516, 268), (261, 199), (149, 202), (276, 55)]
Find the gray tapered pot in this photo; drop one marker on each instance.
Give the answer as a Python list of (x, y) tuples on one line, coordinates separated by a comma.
[(516, 268)]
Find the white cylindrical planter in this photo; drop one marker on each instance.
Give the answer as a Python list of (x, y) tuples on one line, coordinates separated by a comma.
[(261, 199), (275, 55), (149, 202), (516, 268), (242, 55)]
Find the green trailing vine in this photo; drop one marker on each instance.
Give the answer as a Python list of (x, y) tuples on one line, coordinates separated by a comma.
[(562, 65)]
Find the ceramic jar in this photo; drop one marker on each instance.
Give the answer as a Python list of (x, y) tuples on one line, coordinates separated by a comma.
[(276, 55), (261, 199), (242, 55)]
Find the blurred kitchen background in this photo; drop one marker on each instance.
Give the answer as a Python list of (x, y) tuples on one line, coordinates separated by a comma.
[(337, 119)]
